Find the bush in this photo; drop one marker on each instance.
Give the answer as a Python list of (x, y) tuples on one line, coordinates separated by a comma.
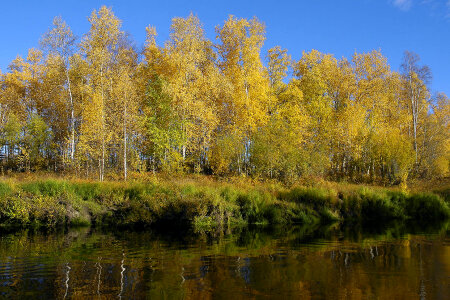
[(14, 210), (427, 207), (255, 207), (47, 211), (378, 206)]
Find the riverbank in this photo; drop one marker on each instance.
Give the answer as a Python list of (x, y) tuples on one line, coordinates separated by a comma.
[(207, 204)]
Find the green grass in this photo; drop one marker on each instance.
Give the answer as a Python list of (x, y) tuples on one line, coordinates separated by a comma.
[(52, 203), (5, 189)]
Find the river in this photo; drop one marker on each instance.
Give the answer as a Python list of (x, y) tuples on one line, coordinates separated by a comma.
[(243, 263)]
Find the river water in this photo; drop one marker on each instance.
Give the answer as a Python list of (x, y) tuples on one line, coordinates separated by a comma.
[(250, 263)]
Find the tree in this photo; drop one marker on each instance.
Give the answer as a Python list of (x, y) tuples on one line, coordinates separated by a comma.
[(37, 141), (415, 80), (191, 85), (59, 42), (126, 112), (244, 109), (191, 105), (278, 63), (99, 47), (162, 132), (11, 136), (314, 71), (436, 146)]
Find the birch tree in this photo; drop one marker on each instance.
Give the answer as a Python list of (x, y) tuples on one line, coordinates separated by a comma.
[(415, 79), (99, 47), (59, 41)]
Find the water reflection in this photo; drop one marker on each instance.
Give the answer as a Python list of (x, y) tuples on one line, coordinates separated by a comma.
[(67, 280), (396, 263)]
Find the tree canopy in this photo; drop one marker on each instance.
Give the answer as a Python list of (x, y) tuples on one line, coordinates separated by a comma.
[(97, 106)]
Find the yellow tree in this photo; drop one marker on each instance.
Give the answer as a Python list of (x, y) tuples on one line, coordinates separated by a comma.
[(191, 58), (276, 149), (278, 63), (125, 118), (348, 120), (99, 47), (14, 90), (32, 74), (53, 107), (378, 91), (416, 95), (314, 71), (436, 145), (245, 108), (161, 129), (81, 92), (25, 97), (59, 41), (13, 104)]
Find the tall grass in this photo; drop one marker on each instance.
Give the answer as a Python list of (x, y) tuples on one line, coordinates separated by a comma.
[(205, 204)]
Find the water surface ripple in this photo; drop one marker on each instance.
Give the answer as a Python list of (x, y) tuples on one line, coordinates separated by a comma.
[(253, 263)]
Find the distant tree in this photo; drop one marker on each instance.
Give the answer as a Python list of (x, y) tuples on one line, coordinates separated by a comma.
[(415, 80)]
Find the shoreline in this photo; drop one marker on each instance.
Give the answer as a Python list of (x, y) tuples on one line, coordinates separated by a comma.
[(52, 203)]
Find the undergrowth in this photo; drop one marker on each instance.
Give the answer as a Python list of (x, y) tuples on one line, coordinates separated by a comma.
[(52, 202)]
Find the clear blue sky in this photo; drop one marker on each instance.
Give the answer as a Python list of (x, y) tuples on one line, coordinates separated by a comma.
[(340, 27)]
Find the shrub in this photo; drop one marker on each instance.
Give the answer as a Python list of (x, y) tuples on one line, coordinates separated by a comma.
[(14, 210), (427, 207), (378, 206), (47, 211)]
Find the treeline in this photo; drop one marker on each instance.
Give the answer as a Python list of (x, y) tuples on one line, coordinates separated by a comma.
[(99, 106)]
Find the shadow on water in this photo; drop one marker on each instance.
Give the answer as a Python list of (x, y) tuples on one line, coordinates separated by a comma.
[(397, 261)]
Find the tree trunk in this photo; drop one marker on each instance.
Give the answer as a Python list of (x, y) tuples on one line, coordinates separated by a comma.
[(125, 142), (102, 166), (72, 119)]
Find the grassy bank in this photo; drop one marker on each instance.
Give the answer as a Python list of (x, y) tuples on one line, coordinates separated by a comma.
[(205, 204)]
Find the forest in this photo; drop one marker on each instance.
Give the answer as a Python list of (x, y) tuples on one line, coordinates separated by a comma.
[(204, 169), (98, 107)]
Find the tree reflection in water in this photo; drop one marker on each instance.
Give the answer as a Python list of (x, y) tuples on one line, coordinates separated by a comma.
[(242, 263)]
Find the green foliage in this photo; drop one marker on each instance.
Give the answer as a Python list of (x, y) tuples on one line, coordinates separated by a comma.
[(255, 206), (11, 131), (427, 207), (88, 191), (39, 210), (368, 205), (163, 128), (52, 203), (444, 193), (315, 197), (5, 189), (14, 211), (37, 140), (51, 188), (378, 206), (275, 151)]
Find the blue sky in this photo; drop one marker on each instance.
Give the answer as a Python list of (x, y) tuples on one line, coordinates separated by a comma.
[(340, 27)]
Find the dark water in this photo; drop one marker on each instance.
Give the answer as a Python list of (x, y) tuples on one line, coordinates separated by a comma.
[(286, 263)]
